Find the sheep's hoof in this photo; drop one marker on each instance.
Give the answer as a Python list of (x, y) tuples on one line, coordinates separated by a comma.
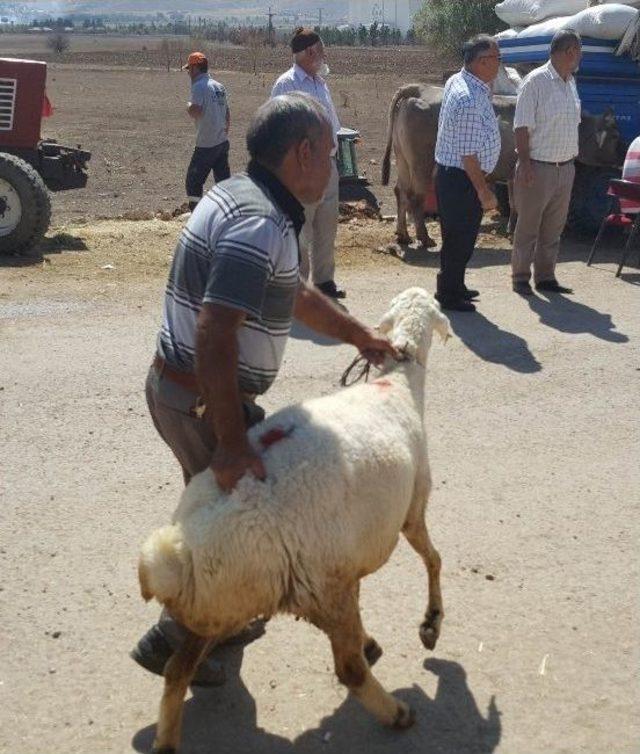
[(430, 629), (163, 750), (427, 243), (405, 717), (372, 651), (403, 238)]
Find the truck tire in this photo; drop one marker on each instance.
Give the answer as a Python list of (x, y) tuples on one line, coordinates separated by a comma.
[(25, 207)]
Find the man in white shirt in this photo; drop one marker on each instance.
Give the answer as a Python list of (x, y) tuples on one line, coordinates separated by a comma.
[(318, 236), (546, 129)]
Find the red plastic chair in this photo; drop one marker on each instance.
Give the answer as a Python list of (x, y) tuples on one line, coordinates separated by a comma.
[(622, 190)]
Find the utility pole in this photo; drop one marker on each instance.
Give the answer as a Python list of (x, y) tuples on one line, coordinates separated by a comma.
[(270, 28), (320, 17)]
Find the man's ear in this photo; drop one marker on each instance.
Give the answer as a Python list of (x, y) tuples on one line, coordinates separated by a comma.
[(303, 153)]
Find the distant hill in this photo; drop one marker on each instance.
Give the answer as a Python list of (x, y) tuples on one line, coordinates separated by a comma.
[(330, 8)]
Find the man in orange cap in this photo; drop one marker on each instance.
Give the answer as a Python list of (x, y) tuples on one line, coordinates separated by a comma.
[(210, 110)]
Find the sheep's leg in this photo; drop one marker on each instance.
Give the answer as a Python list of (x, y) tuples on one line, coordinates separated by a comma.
[(372, 650), (346, 634), (415, 530), (178, 674)]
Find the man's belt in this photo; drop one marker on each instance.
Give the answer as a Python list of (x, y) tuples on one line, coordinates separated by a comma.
[(187, 380), (555, 164)]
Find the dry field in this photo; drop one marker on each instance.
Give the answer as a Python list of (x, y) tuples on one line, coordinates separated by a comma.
[(122, 105)]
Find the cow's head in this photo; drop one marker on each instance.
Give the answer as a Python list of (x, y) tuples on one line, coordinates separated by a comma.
[(600, 140)]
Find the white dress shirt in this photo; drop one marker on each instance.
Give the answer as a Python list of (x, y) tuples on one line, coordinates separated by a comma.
[(296, 79), (549, 107)]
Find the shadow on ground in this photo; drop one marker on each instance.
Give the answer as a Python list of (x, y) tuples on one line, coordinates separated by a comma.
[(225, 721), (488, 341), (570, 316), (56, 244)]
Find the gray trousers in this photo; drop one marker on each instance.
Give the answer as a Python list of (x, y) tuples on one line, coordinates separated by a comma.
[(542, 214), (318, 235), (192, 441)]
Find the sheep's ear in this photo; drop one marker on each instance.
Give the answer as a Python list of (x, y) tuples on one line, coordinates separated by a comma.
[(442, 325), (386, 324)]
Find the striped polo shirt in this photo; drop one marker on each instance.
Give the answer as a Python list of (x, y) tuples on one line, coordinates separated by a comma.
[(238, 249)]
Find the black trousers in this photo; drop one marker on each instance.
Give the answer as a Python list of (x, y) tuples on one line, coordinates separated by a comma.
[(203, 161), (460, 217)]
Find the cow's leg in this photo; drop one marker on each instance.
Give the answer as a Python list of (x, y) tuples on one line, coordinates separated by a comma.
[(177, 674), (344, 628), (402, 234), (417, 212), (415, 530), (513, 215)]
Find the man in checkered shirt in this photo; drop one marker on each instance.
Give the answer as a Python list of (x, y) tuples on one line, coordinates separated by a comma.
[(546, 128), (467, 149)]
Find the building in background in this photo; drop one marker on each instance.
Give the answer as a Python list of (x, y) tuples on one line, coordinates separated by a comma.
[(396, 13)]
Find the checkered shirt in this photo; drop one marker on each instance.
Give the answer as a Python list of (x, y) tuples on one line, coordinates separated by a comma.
[(549, 107), (468, 124)]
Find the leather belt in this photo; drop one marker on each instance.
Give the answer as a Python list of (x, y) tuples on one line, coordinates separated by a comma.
[(187, 380), (555, 164)]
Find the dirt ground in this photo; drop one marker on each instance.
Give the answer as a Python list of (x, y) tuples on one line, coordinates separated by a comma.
[(532, 415)]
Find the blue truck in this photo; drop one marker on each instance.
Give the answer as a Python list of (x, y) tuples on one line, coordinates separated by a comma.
[(604, 81)]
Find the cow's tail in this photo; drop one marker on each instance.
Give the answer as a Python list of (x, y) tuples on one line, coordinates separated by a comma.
[(405, 92), (164, 565)]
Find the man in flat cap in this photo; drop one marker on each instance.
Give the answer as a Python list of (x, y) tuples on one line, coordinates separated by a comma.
[(210, 110), (318, 236)]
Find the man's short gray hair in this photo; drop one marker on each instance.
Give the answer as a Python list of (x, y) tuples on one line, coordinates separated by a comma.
[(283, 122), (564, 40), (473, 47)]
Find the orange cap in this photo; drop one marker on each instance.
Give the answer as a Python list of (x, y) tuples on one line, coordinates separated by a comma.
[(195, 59)]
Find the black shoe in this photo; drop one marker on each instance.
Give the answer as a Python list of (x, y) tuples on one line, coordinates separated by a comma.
[(468, 294), (331, 289), (153, 652), (552, 286), (455, 304), (523, 288)]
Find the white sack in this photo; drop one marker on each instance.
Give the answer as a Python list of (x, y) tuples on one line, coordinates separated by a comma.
[(526, 12), (603, 21), (508, 33), (632, 3), (546, 28)]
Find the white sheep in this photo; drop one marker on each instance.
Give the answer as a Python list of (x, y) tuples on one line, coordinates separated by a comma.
[(345, 475)]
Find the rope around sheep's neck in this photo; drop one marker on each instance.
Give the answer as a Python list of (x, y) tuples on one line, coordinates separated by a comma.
[(364, 365)]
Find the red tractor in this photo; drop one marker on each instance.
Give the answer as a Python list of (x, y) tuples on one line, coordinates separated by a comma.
[(29, 166)]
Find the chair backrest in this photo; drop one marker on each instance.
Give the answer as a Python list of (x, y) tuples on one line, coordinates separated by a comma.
[(624, 189)]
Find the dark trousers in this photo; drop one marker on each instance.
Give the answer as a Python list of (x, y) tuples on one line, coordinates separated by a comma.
[(460, 217), (203, 161)]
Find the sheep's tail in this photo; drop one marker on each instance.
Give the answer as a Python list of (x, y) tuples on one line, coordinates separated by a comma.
[(164, 564), (409, 90)]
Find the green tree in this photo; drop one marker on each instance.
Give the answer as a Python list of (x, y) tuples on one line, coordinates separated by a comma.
[(447, 24)]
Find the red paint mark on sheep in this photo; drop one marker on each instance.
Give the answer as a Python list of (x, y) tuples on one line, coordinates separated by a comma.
[(274, 435), (382, 384)]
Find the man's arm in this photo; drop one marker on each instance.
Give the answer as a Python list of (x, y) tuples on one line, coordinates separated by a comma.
[(217, 373), (195, 111), (472, 168), (524, 156), (317, 312)]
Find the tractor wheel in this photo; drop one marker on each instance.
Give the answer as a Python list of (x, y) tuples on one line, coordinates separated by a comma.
[(25, 207)]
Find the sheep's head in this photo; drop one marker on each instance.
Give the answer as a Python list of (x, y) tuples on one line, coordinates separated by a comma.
[(411, 320)]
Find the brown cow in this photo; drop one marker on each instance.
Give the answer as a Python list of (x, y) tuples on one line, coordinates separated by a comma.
[(413, 128)]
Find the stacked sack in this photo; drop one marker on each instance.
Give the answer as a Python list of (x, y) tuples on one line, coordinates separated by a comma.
[(540, 18)]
